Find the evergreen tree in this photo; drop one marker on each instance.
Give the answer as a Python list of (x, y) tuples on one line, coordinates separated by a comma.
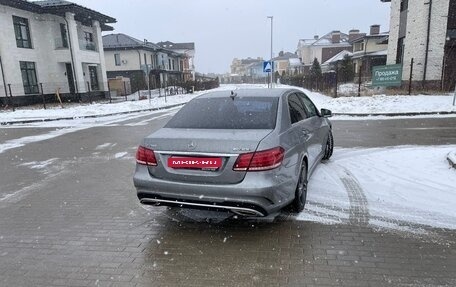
[(315, 73), (276, 76), (315, 70), (346, 70)]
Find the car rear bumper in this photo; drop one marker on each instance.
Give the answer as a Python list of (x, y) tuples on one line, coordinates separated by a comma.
[(258, 194)]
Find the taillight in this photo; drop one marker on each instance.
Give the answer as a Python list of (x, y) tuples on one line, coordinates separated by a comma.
[(260, 160), (145, 156)]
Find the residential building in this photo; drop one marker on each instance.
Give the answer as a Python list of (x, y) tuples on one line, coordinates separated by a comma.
[(188, 63), (255, 73), (132, 58), (424, 31), (330, 64), (239, 66), (287, 63), (323, 48), (51, 47), (369, 51)]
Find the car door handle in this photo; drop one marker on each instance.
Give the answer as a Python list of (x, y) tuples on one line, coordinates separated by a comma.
[(305, 131)]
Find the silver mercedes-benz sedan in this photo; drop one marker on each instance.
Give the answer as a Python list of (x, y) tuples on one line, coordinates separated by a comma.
[(248, 151)]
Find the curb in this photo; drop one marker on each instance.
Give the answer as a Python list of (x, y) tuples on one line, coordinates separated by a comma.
[(88, 117), (451, 157), (395, 114)]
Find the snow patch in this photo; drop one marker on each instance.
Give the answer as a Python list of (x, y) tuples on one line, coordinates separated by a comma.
[(120, 154), (405, 187), (39, 164), (105, 145)]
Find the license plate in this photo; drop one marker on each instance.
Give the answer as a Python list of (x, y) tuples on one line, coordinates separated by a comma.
[(195, 162)]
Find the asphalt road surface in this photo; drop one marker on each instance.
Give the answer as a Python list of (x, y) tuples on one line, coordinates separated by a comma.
[(69, 216)]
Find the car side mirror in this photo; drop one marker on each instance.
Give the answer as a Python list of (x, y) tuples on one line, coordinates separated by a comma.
[(326, 113)]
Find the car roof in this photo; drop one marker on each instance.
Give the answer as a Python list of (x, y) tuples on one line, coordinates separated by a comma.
[(257, 92)]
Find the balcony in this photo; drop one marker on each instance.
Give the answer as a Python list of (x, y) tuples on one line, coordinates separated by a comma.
[(87, 46)]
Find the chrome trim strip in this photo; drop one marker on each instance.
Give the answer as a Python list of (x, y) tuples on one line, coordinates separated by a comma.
[(195, 153), (233, 208)]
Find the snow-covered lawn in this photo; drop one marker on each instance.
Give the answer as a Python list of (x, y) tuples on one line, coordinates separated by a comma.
[(383, 104), (97, 109), (402, 187), (379, 104)]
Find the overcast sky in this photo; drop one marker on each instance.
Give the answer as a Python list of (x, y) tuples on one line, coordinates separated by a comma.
[(225, 29)]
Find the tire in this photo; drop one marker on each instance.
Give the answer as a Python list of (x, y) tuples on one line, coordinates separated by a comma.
[(329, 148), (301, 191)]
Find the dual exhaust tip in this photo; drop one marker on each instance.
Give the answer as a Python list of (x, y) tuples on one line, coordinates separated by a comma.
[(242, 211)]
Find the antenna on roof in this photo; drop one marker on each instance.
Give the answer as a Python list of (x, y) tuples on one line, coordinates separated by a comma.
[(233, 95)]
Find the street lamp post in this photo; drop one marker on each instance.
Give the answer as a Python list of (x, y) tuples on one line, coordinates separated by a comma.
[(272, 64)]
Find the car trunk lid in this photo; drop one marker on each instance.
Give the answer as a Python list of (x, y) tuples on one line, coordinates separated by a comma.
[(200, 145)]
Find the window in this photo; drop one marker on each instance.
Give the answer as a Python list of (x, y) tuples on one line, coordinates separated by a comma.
[(93, 78), (358, 47), (173, 65), (88, 37), (226, 113), (64, 35), (169, 64), (404, 5), (400, 50), (22, 31), (117, 59), (311, 109), (88, 41), (297, 111), (152, 61), (29, 77)]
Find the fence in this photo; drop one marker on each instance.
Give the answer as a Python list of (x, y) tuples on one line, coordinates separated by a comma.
[(14, 95)]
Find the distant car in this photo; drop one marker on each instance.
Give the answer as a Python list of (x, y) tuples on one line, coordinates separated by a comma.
[(247, 151)]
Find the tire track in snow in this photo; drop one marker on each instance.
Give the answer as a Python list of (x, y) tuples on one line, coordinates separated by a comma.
[(359, 211)]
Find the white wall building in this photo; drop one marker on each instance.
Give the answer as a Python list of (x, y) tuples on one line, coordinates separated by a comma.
[(424, 31), (56, 44), (126, 56)]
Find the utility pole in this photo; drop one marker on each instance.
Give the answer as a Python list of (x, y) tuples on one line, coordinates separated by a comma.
[(272, 63)]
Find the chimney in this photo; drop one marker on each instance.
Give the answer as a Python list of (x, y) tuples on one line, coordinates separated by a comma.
[(375, 30), (280, 53), (353, 34), (316, 37), (145, 41), (335, 37)]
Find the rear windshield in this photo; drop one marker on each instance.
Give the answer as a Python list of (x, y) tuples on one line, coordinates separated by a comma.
[(226, 113)]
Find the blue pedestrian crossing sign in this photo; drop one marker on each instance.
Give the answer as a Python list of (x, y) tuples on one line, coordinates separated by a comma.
[(267, 66)]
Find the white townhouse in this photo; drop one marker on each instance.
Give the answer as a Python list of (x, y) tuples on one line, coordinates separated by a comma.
[(51, 46)]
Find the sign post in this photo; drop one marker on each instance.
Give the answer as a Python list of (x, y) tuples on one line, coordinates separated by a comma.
[(387, 76), (267, 68)]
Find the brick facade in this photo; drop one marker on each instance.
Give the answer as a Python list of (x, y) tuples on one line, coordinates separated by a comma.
[(416, 24)]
